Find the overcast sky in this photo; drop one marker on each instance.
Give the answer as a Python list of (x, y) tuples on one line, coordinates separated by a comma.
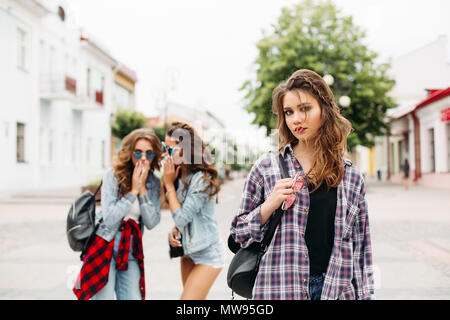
[(210, 44)]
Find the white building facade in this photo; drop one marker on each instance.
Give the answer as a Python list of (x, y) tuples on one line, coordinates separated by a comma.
[(418, 75), (56, 85), (433, 116)]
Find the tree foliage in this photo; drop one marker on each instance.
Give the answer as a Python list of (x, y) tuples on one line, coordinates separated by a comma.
[(316, 35), (126, 121)]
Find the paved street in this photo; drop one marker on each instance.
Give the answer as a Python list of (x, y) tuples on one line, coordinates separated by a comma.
[(410, 236)]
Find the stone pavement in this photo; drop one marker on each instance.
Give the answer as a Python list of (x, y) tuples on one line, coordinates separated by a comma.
[(410, 238)]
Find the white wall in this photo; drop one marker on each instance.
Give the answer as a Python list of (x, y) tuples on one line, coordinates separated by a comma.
[(51, 122), (424, 68), (19, 96), (430, 117)]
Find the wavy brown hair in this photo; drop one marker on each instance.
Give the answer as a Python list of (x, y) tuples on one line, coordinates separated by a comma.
[(196, 156), (123, 163), (330, 143)]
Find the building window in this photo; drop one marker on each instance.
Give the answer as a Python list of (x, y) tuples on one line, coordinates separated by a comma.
[(88, 82), (20, 145), (432, 157), (21, 49)]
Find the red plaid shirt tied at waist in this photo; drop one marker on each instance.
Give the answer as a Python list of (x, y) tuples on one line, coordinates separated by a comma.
[(95, 270)]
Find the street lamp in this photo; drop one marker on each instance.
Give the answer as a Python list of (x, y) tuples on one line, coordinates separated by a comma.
[(328, 78), (344, 101), (171, 77)]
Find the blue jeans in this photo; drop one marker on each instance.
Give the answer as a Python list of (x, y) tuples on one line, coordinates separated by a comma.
[(124, 283), (315, 286)]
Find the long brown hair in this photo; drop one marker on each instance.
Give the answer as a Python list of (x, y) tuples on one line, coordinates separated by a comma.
[(123, 164), (196, 157), (330, 143)]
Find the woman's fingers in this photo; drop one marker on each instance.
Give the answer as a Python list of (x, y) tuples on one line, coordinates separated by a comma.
[(287, 191), (172, 238), (284, 184), (168, 165)]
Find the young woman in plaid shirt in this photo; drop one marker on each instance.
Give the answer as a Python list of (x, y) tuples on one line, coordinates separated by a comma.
[(322, 247), (130, 199)]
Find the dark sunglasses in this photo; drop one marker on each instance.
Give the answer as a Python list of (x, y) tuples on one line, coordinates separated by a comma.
[(149, 155), (170, 150)]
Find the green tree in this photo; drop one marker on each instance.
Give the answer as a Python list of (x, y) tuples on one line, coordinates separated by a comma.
[(160, 132), (126, 121), (316, 35)]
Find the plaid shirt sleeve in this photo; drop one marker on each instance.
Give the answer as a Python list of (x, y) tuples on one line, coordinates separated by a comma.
[(362, 267), (246, 225)]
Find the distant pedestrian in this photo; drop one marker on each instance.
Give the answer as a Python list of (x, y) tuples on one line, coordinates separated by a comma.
[(130, 199), (322, 247), (406, 173), (191, 183)]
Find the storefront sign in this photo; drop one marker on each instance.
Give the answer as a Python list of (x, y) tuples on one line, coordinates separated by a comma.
[(445, 115)]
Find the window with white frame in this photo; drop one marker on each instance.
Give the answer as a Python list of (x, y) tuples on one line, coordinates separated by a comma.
[(21, 49), (20, 142)]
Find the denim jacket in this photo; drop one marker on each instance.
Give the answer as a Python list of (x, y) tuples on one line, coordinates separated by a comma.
[(114, 208), (195, 218)]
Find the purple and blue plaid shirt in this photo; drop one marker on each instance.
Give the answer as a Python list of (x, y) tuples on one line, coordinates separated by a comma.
[(284, 269)]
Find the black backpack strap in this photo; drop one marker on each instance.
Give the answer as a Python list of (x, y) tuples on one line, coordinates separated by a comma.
[(276, 217)]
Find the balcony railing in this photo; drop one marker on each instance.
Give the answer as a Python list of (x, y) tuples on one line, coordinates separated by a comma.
[(65, 87), (57, 86)]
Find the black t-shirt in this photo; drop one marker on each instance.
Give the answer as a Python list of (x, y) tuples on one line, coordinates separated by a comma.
[(319, 233)]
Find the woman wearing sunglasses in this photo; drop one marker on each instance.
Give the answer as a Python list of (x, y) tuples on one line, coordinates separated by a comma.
[(322, 248), (130, 200), (191, 183)]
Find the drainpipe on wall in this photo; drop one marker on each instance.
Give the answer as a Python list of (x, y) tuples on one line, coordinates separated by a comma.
[(417, 171)]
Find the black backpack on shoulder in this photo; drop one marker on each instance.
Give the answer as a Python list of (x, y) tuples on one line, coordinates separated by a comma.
[(81, 227)]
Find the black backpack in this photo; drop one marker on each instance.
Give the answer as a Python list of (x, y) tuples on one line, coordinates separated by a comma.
[(81, 227)]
